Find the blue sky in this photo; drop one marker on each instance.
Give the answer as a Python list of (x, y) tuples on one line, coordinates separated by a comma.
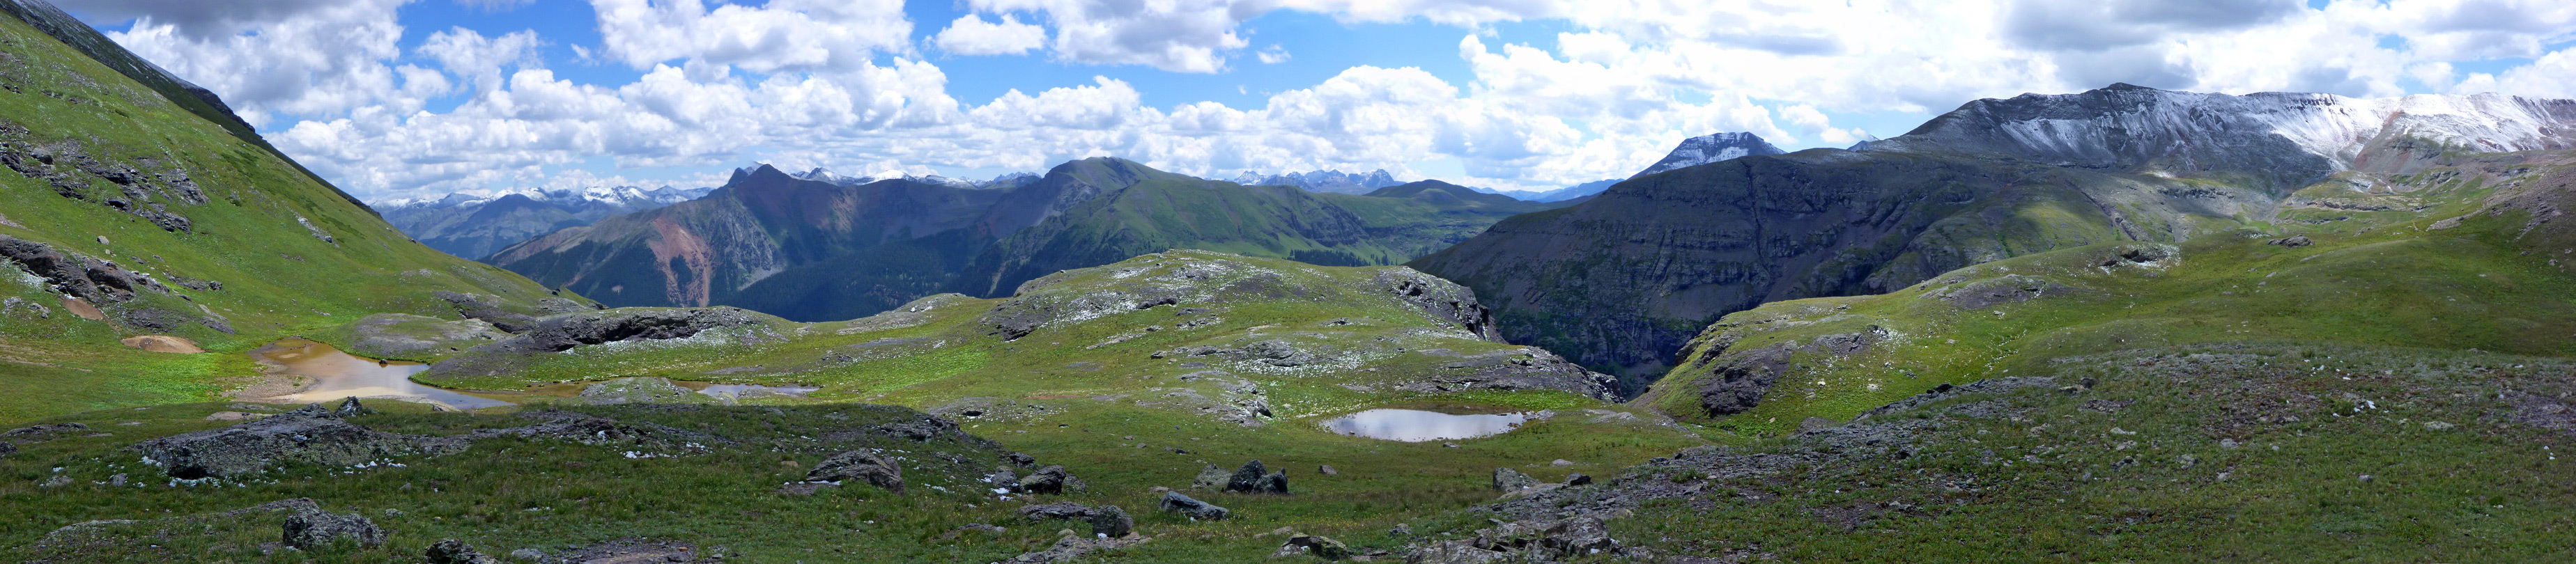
[(414, 98)]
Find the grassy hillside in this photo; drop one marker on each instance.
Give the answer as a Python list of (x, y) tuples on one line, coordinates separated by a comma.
[(108, 169), (2478, 268), (1133, 375)]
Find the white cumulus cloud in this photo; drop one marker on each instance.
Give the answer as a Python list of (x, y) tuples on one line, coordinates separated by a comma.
[(971, 35)]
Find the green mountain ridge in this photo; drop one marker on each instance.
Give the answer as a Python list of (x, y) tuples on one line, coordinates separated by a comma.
[(817, 252)]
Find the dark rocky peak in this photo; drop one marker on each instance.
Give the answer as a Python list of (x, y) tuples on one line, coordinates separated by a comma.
[(2287, 139), (1711, 148)]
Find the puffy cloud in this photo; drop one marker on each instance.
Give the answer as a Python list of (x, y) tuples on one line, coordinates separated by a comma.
[(205, 19), (1194, 36), (295, 58), (838, 84), (466, 52), (971, 35), (781, 35)]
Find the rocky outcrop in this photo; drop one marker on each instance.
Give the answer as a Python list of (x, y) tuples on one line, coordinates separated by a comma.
[(1050, 480), (78, 276), (399, 335), (1253, 478), (1535, 540), (1509, 480), (1174, 502), (872, 467), (1442, 300), (558, 333), (313, 528), (1736, 382), (1110, 521), (311, 435)]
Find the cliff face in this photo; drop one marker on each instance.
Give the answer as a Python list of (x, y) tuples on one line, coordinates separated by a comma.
[(1622, 281), (763, 223)]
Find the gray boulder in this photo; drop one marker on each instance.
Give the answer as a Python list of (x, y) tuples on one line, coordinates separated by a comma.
[(313, 528), (309, 435), (1510, 480), (1174, 502), (1211, 478), (874, 468), (1049, 480), (556, 333), (452, 551), (8, 448), (1112, 521)]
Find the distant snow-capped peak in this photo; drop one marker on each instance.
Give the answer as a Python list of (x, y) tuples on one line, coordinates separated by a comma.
[(607, 195), (1711, 148)]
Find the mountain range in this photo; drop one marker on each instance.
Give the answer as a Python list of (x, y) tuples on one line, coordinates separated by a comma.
[(1669, 252), (1326, 181), (813, 250), (474, 226)]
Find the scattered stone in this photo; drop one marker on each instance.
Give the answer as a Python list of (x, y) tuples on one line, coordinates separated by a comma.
[(163, 344), (349, 407), (1561, 463), (2293, 241), (636, 550), (311, 435), (8, 448), (528, 555), (873, 467), (639, 389), (1319, 547), (43, 432), (1401, 530), (55, 482), (1110, 521), (314, 528), (116, 481), (804, 488), (2106, 406), (1506, 479), (233, 416), (1327, 469), (961, 530), (927, 428), (1252, 479), (1194, 509), (452, 551), (1073, 548), (1577, 480), (2438, 426)]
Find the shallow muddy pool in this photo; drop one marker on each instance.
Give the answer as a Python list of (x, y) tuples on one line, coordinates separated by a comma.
[(339, 375), (1411, 425)]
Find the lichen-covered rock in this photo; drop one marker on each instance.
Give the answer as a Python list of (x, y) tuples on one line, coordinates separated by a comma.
[(315, 528), (1211, 478), (1316, 546), (873, 467), (1056, 511), (1506, 479), (309, 435), (1174, 502)]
